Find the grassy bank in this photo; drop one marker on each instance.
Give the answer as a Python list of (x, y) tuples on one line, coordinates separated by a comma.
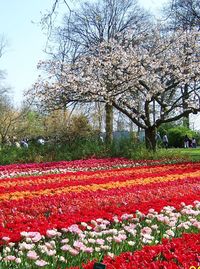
[(83, 149)]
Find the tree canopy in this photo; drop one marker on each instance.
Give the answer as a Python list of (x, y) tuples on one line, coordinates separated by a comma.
[(133, 75)]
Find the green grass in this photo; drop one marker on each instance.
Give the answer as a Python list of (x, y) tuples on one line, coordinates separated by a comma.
[(82, 149), (191, 153)]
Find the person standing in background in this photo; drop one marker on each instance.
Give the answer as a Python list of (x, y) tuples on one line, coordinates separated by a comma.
[(165, 141), (186, 141), (194, 143)]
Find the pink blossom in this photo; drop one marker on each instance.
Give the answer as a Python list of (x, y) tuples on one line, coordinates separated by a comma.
[(146, 230), (41, 263), (32, 255), (5, 238), (78, 244), (73, 252), (100, 241), (10, 258), (51, 233), (65, 247)]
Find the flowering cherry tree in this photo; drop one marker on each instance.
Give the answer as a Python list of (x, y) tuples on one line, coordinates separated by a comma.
[(142, 77)]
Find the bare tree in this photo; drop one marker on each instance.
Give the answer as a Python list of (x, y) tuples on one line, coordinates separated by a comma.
[(8, 116), (184, 14), (3, 45), (94, 23)]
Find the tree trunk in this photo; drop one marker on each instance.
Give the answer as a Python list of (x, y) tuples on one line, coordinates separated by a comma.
[(3, 139), (150, 138), (186, 120), (109, 123)]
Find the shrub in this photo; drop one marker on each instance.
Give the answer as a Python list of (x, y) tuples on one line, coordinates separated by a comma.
[(176, 136)]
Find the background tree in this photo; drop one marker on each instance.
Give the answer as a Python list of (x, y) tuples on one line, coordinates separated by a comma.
[(8, 114), (13, 121), (185, 15), (30, 124), (3, 45), (5, 120), (11, 117)]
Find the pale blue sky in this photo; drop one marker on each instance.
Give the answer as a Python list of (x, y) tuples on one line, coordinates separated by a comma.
[(25, 42), (19, 23)]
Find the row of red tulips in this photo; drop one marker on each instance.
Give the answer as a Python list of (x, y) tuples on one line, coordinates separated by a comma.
[(54, 181), (14, 170), (76, 164)]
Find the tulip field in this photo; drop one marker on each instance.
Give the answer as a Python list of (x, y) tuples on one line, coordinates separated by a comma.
[(116, 212)]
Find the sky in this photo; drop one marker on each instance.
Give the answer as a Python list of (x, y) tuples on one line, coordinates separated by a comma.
[(20, 26)]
